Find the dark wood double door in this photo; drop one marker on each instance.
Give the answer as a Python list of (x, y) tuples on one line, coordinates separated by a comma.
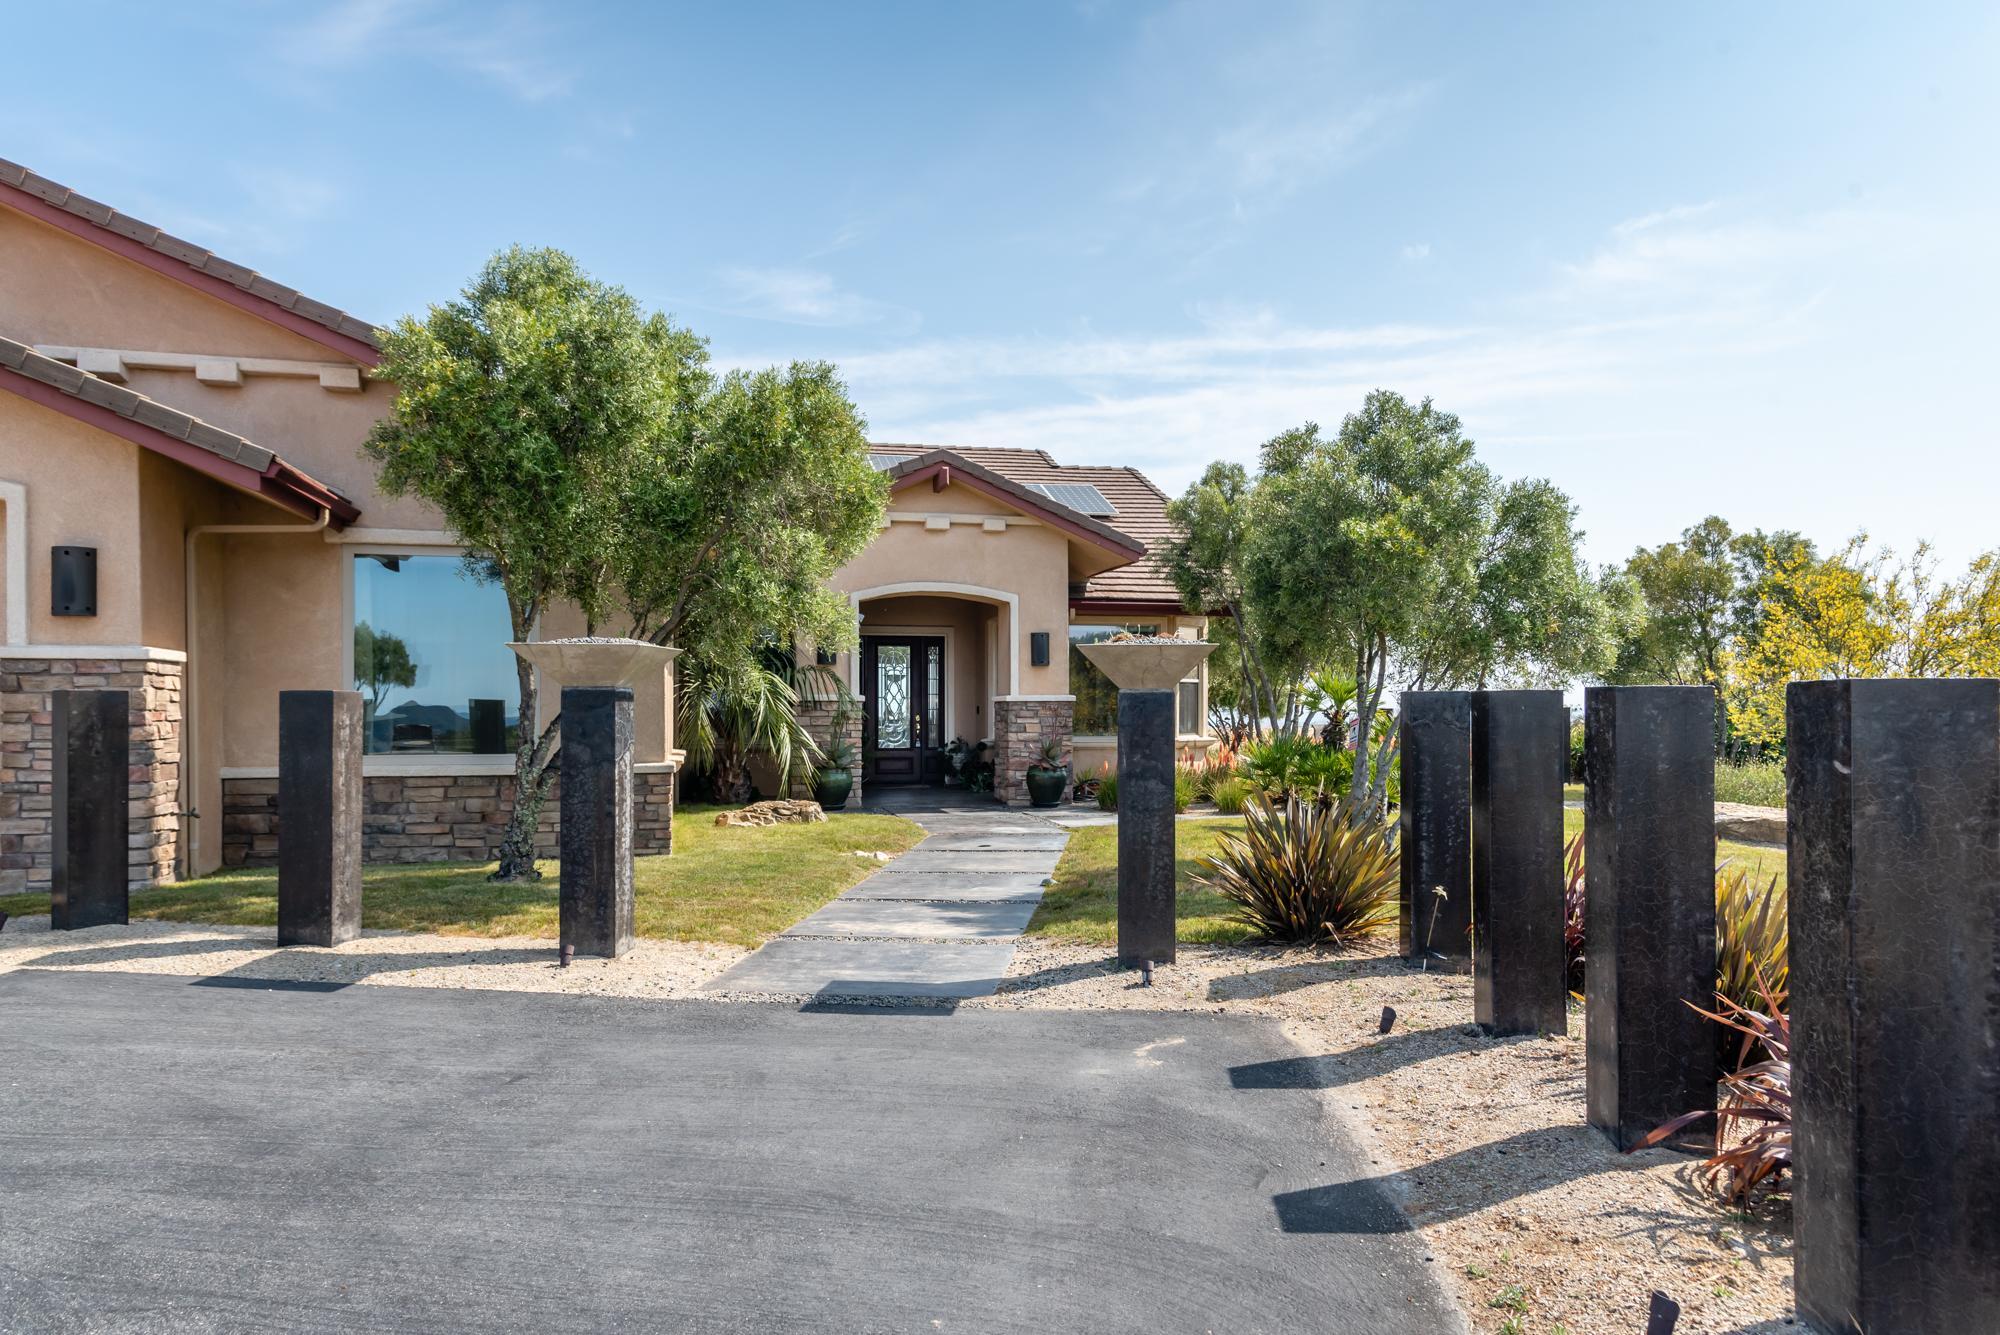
[(902, 721)]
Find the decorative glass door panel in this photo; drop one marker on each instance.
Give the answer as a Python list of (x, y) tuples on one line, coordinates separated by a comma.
[(903, 717)]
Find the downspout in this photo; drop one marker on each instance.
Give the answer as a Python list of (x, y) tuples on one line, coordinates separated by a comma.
[(190, 718)]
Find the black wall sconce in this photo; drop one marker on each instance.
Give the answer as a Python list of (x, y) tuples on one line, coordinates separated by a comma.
[(824, 657), (1038, 648), (73, 581)]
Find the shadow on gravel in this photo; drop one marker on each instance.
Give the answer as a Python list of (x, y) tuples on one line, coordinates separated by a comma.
[(1291, 977), (60, 957)]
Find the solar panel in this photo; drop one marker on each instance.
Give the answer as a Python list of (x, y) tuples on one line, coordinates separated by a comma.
[(882, 463), (1078, 496)]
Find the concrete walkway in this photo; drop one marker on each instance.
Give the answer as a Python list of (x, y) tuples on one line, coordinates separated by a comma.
[(938, 922)]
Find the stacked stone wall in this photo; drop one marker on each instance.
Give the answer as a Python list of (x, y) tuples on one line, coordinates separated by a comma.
[(1020, 727), (27, 816)]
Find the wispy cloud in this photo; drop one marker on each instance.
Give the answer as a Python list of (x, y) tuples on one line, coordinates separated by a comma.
[(803, 296), (285, 195), (1278, 152), (506, 45)]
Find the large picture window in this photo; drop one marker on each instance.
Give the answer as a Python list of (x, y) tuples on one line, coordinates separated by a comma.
[(1096, 697), (431, 658)]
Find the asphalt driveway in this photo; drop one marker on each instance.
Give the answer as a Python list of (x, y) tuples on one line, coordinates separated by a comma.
[(180, 1156)]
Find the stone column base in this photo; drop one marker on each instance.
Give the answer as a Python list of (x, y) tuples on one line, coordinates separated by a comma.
[(1020, 727)]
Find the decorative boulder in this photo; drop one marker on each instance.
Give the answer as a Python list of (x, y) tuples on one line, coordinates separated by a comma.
[(786, 811)]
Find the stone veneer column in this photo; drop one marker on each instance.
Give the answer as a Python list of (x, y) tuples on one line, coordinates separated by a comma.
[(1435, 751), (596, 906), (91, 752), (1520, 747), (1893, 804), (1649, 945), (1020, 727), (27, 761), (319, 805)]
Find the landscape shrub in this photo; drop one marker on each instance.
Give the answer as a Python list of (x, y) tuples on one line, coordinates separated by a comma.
[(1184, 787), (1298, 765), (1757, 783), (1107, 790), (1576, 752), (1230, 794), (1307, 871), (1753, 1115)]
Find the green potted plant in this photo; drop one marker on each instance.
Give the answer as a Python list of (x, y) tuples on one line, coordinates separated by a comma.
[(834, 779), (1048, 777)]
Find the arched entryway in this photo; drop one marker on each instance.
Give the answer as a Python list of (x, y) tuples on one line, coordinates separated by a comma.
[(933, 658)]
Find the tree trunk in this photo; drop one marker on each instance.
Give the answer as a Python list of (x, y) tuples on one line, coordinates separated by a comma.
[(532, 776)]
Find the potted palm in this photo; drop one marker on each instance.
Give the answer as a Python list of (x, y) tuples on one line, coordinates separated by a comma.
[(834, 779), (1048, 777)]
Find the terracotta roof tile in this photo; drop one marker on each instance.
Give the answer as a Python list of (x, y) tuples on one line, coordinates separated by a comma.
[(186, 252), (1142, 512)]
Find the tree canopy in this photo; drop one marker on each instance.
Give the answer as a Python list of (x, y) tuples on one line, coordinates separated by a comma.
[(584, 451), (1390, 554)]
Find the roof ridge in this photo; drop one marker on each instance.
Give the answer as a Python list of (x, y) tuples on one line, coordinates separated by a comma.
[(197, 258)]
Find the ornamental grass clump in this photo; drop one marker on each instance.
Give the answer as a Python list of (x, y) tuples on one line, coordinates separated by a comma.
[(1307, 871), (1752, 937)]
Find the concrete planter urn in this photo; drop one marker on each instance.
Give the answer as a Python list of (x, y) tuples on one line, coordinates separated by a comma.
[(597, 661), (1147, 673)]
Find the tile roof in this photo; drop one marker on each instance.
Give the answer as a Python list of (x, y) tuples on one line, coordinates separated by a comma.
[(1142, 512), (172, 423), (186, 252)]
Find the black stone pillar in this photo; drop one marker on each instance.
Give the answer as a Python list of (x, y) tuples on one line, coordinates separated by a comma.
[(1520, 747), (90, 874), (1893, 797), (1145, 827), (319, 817), (1649, 918), (597, 820), (1435, 747)]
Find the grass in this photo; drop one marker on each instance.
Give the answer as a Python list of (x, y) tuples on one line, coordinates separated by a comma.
[(1081, 908), (1763, 862), (737, 886), (1754, 783)]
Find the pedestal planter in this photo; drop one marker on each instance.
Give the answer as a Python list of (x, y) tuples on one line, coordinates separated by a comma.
[(1146, 673), (597, 677), (1649, 765), (319, 817), (1046, 787), (1893, 791)]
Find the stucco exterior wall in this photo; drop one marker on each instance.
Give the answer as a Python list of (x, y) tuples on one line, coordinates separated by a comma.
[(82, 489)]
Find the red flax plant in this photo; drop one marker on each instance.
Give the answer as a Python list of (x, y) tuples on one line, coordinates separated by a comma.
[(1573, 912), (1754, 1116)]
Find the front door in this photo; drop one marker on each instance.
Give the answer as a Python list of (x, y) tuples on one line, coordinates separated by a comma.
[(902, 722)]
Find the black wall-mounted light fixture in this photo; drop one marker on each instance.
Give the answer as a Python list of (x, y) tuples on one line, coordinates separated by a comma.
[(1038, 648), (73, 581), (824, 657)]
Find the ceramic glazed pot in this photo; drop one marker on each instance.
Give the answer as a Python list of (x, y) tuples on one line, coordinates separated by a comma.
[(1047, 786)]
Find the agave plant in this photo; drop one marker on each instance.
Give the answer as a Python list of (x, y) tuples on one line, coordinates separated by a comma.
[(1754, 1115), (1307, 870)]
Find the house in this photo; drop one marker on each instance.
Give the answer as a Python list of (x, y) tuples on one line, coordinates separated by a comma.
[(185, 513)]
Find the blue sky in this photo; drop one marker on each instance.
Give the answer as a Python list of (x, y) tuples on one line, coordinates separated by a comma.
[(1709, 258)]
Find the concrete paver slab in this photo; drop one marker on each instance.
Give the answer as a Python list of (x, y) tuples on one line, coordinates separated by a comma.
[(1040, 861), (960, 886), (851, 968), (916, 918)]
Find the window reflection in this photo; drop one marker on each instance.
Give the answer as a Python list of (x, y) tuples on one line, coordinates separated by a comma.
[(431, 658)]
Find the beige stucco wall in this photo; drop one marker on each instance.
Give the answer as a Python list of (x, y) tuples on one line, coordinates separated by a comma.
[(82, 490), (56, 289), (1029, 562)]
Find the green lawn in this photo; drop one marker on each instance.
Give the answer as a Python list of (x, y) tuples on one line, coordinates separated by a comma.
[(737, 886), (1756, 783), (1081, 908), (1763, 862)]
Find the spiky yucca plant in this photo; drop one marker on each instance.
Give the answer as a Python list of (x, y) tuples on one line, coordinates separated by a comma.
[(1573, 911), (1307, 870), (1754, 1114)]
